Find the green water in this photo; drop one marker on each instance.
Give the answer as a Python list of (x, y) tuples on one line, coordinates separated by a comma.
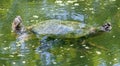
[(99, 50)]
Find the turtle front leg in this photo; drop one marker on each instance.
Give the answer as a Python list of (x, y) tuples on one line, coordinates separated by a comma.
[(17, 26), (44, 40), (45, 44)]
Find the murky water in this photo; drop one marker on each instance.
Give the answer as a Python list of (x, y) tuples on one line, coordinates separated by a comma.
[(99, 50)]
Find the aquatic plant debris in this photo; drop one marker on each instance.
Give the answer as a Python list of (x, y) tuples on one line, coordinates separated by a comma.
[(35, 16), (98, 52), (23, 61)]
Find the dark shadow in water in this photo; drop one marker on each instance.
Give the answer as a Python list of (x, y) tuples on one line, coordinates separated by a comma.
[(47, 44)]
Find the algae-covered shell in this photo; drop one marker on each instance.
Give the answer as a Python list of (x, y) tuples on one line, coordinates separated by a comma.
[(62, 29)]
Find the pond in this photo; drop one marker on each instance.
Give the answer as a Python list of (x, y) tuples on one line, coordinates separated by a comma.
[(98, 50)]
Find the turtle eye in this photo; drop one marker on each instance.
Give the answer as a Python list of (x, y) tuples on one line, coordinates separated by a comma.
[(108, 24)]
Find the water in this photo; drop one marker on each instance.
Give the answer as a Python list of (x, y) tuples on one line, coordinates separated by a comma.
[(99, 50)]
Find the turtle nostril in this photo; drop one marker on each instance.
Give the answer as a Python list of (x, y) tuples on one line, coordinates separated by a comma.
[(107, 27)]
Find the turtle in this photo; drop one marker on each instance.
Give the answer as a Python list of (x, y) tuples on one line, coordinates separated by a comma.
[(67, 29), (58, 29)]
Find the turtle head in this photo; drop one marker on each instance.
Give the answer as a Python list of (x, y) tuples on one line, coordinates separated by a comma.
[(106, 27)]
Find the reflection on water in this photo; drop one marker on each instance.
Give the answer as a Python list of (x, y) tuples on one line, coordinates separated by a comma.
[(46, 58), (72, 52), (20, 44), (57, 11)]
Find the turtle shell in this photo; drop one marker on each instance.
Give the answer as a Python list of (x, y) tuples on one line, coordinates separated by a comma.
[(62, 29)]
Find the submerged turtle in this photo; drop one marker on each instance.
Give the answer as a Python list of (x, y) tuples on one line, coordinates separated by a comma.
[(67, 29), (59, 28)]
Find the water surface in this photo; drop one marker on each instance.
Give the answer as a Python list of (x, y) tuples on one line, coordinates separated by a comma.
[(99, 50)]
